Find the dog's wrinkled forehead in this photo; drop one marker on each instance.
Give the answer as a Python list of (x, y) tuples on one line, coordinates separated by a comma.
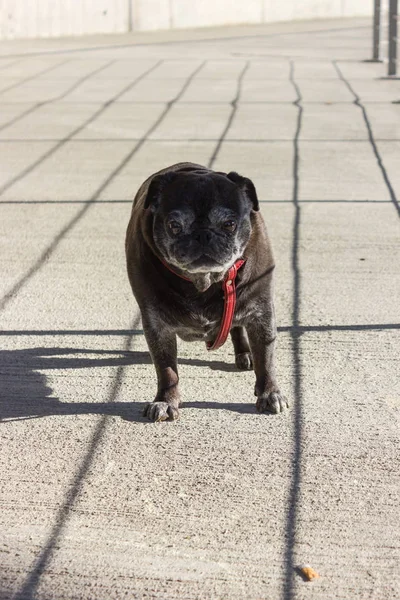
[(200, 192)]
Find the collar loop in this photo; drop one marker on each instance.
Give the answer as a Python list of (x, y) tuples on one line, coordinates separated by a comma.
[(228, 285), (229, 288)]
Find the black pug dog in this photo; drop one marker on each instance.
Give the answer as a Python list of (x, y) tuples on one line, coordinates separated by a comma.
[(194, 236)]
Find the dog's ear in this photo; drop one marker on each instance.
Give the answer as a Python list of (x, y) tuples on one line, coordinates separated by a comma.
[(247, 187), (156, 188)]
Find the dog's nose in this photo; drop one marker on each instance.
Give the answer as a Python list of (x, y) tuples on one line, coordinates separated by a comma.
[(203, 236)]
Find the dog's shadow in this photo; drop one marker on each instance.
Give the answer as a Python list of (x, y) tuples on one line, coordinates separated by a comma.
[(25, 393)]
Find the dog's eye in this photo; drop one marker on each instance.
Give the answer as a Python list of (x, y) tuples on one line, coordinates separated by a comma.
[(229, 225), (175, 227)]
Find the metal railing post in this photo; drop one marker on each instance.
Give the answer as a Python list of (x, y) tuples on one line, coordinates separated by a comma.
[(393, 16), (376, 30)]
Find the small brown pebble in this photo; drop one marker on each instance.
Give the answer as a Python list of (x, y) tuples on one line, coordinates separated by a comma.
[(308, 572)]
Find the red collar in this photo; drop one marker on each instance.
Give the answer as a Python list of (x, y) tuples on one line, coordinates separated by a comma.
[(228, 285)]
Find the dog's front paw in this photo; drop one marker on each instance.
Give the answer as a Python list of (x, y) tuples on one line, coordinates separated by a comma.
[(272, 402), (160, 411), (243, 361)]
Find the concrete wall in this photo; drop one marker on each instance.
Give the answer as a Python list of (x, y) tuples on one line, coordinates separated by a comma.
[(44, 18), (49, 18)]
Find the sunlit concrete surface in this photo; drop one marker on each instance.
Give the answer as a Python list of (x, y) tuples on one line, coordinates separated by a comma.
[(97, 503)]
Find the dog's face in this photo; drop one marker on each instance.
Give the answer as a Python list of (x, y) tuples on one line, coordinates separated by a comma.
[(201, 219)]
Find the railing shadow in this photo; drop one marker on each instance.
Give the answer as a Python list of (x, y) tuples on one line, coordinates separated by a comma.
[(25, 392)]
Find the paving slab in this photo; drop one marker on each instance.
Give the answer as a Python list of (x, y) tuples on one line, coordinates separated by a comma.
[(334, 171), (221, 69), (128, 69), (384, 120), (33, 66), (279, 218), (98, 90), (210, 90), (390, 152), (263, 122), (75, 68), (267, 90), (267, 69), (268, 164), (6, 62), (64, 299), (317, 69), (323, 90), (8, 83), (376, 90), (358, 284), (153, 90), (333, 122), (43, 222), (15, 158), (49, 122), (175, 69), (73, 168), (9, 112), (40, 90), (356, 378), (193, 121), (123, 121)]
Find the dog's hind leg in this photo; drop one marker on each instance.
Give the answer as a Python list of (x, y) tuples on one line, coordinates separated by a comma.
[(241, 346)]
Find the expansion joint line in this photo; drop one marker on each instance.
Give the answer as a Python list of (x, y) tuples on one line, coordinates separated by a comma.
[(295, 200), (292, 515), (357, 102)]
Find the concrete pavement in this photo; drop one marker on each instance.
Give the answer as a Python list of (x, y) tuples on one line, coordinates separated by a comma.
[(97, 503)]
